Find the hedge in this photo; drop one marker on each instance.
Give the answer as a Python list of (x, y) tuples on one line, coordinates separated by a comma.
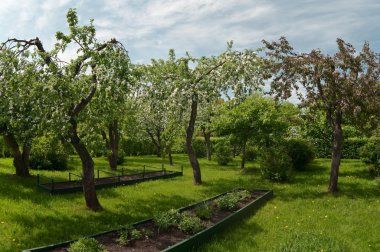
[(350, 148)]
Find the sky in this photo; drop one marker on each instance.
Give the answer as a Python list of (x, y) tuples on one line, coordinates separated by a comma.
[(149, 28)]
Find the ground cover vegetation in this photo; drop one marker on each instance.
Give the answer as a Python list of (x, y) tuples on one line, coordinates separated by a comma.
[(301, 208)]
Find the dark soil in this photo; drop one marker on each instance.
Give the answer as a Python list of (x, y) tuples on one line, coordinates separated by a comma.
[(163, 239)]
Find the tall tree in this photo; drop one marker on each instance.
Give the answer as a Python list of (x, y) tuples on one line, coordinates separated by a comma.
[(72, 87), (206, 113), (257, 119), (340, 84), (116, 88), (157, 118), (20, 86), (232, 72)]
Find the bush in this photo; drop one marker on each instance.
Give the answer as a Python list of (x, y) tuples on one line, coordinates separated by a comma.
[(301, 153), (199, 147), (223, 152), (86, 245), (203, 211), (377, 168), (136, 147), (4, 150), (369, 152), (251, 153), (121, 157), (167, 219), (228, 202), (350, 147), (48, 154), (128, 234), (243, 194), (190, 224), (275, 164)]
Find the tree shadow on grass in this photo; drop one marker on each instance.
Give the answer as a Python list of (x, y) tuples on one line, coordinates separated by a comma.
[(51, 227), (242, 227)]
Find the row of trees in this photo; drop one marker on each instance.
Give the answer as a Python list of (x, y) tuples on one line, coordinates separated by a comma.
[(94, 93)]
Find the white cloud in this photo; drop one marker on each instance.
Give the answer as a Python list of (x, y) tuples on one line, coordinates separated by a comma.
[(150, 27)]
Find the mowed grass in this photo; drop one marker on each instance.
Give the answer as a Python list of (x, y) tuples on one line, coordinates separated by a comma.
[(301, 216)]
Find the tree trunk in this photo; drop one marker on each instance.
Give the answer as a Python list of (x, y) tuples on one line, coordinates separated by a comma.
[(112, 144), (169, 150), (243, 157), (157, 142), (336, 152), (88, 179), (189, 145), (207, 136), (20, 160)]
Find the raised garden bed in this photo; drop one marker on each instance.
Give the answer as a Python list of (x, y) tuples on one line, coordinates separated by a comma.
[(72, 185), (185, 230)]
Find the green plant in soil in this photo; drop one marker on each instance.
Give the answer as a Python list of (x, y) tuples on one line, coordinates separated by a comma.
[(204, 211), (228, 202), (243, 194), (86, 245), (168, 219), (128, 234), (190, 224), (147, 233)]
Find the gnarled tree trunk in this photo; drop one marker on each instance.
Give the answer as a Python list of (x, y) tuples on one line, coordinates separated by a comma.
[(189, 142), (336, 151), (20, 159), (112, 144), (88, 178)]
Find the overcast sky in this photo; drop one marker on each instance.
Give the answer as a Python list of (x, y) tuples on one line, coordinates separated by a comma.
[(149, 28)]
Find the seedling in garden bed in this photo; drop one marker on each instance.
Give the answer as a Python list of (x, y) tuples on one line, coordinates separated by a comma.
[(204, 211), (190, 224), (147, 233), (183, 229), (167, 219), (228, 202), (86, 245), (128, 234), (243, 194)]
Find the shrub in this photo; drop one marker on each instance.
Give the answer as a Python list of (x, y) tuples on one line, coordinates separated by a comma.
[(48, 154), (167, 219), (190, 224), (350, 147), (228, 202), (275, 164), (4, 150), (250, 153), (369, 152), (301, 153), (243, 194), (121, 157), (128, 234), (203, 211), (137, 146), (147, 233), (86, 245), (199, 147), (223, 152)]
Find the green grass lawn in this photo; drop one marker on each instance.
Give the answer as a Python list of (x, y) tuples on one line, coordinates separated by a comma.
[(300, 214)]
